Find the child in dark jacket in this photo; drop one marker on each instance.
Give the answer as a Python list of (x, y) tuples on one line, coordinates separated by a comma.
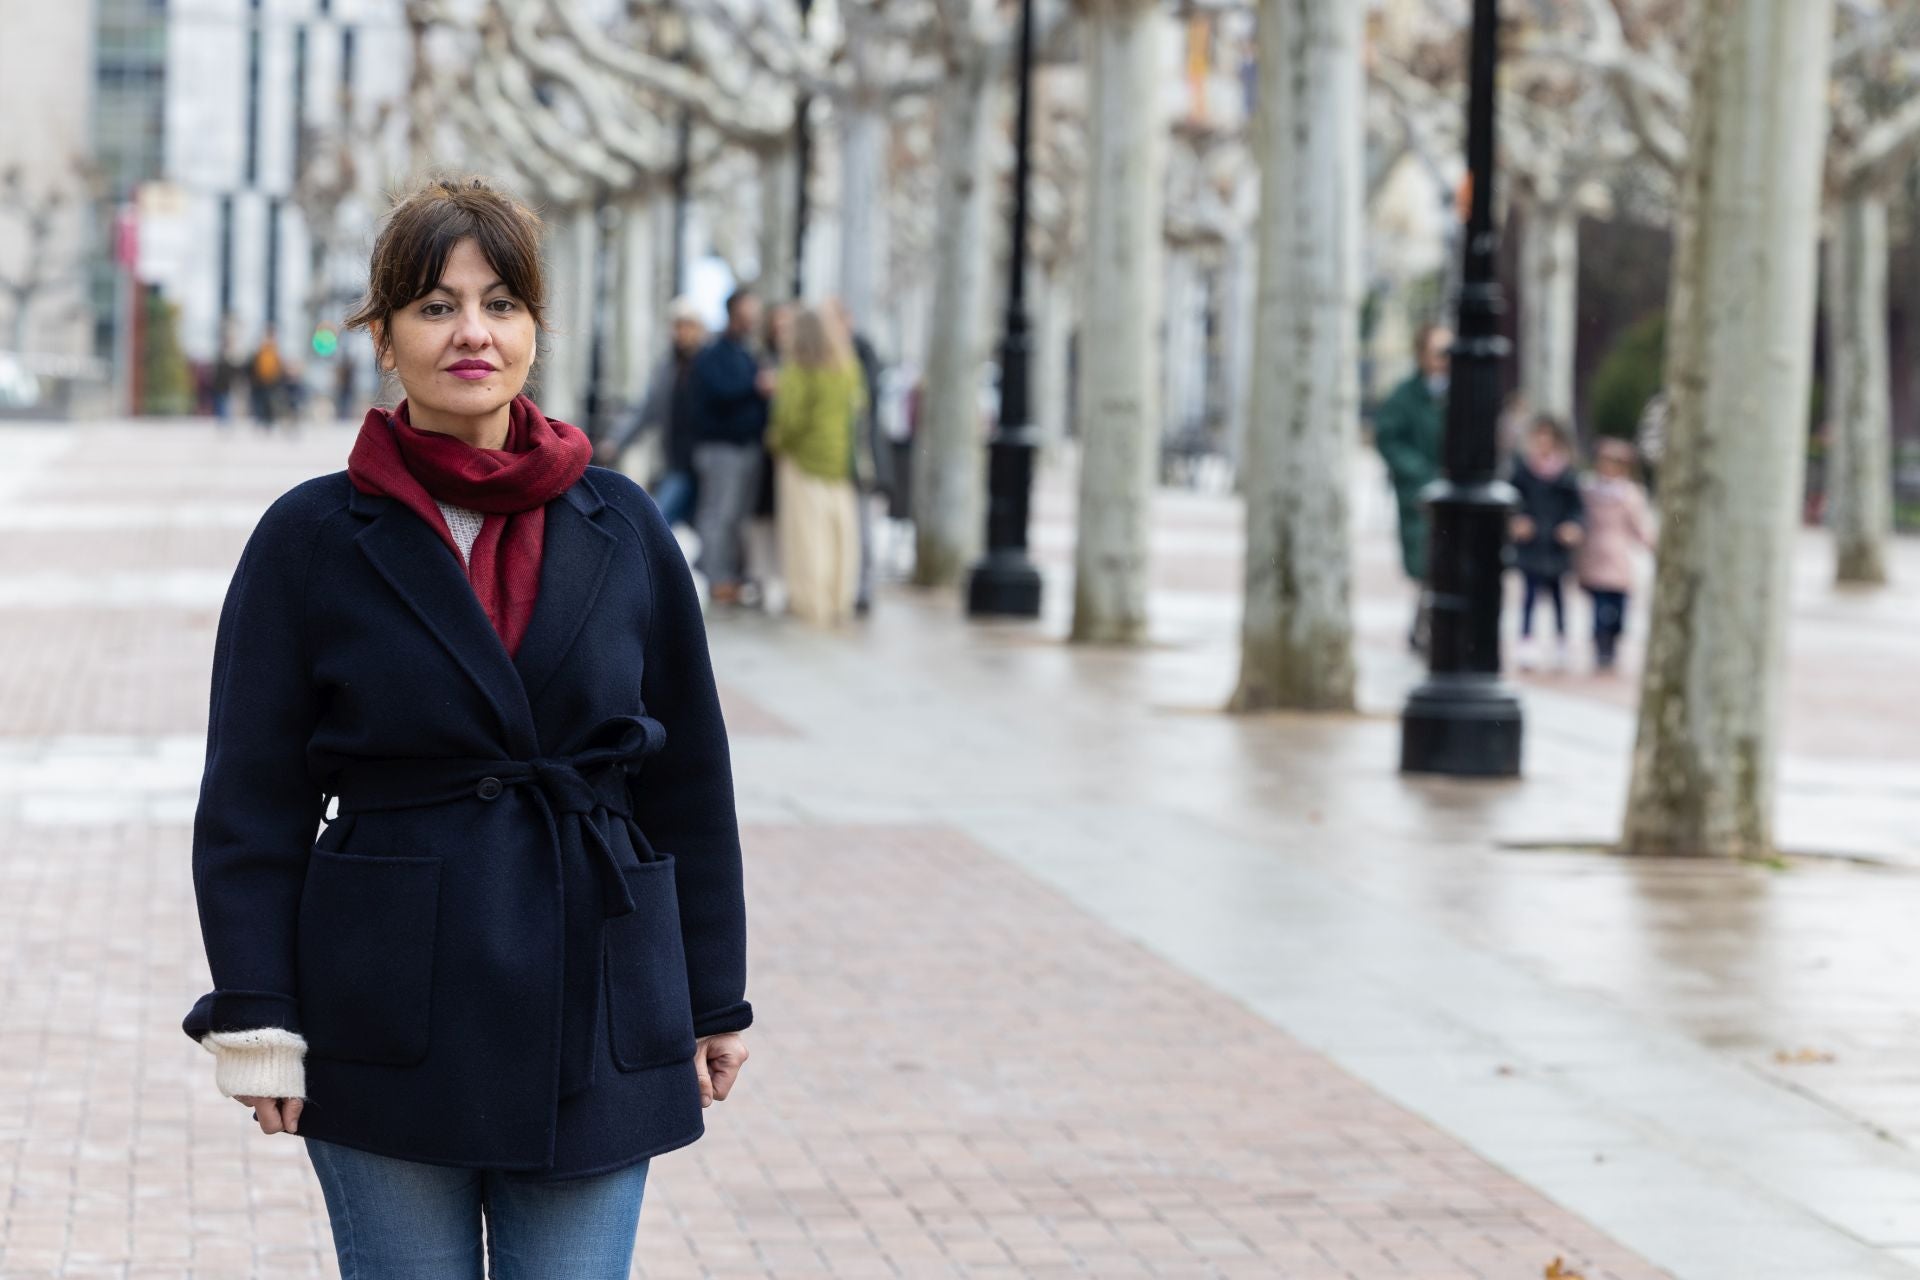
[(1547, 526)]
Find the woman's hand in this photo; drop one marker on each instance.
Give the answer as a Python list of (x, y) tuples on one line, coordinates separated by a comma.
[(1522, 528), (276, 1114), (718, 1059)]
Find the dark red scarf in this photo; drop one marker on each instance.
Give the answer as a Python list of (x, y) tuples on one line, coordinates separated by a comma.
[(542, 459)]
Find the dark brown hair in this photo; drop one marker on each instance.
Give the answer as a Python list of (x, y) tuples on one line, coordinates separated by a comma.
[(419, 236)]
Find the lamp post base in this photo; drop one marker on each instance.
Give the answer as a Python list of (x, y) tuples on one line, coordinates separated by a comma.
[(1004, 584), (1463, 726)]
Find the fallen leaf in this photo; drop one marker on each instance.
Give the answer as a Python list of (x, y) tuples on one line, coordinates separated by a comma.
[(1801, 1057), (1557, 1270)]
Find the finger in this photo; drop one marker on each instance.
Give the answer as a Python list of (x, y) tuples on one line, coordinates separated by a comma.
[(291, 1109), (706, 1080), (726, 1070), (269, 1113)]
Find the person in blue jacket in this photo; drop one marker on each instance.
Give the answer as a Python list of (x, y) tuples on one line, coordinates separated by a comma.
[(511, 969), (731, 391)]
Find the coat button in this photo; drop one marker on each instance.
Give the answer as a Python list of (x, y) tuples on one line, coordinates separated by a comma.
[(489, 789)]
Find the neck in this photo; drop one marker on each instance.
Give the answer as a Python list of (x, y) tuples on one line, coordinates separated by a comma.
[(485, 431)]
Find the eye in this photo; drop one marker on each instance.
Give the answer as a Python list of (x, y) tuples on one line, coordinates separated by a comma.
[(501, 305), (432, 309)]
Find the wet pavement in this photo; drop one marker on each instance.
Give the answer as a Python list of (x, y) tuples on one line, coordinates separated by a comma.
[(1059, 970)]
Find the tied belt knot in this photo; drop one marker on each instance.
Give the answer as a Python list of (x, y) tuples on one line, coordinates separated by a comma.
[(589, 787)]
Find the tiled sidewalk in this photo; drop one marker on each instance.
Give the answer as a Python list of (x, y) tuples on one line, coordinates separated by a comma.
[(956, 1071)]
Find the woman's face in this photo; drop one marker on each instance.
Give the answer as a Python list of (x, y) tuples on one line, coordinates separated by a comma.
[(462, 350)]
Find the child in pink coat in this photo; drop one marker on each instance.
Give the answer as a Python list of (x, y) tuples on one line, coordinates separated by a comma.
[(1618, 525)]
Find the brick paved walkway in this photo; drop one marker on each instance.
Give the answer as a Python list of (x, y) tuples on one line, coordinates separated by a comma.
[(956, 1072)]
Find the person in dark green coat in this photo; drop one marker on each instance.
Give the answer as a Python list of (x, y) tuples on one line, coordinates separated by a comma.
[(1408, 428)]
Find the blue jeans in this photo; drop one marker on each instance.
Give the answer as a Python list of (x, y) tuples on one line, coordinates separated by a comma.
[(404, 1220), (1609, 620), (1538, 585), (673, 494)]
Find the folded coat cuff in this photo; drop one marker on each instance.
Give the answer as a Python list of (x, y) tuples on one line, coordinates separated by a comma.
[(734, 1017), (227, 1009), (266, 1062)]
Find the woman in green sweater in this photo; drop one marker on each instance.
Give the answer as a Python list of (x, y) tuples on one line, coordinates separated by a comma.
[(816, 401)]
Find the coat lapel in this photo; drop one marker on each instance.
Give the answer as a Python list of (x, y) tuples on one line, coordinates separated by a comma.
[(428, 577), (573, 564)]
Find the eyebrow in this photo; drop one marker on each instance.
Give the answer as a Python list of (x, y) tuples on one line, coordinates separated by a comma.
[(441, 287)]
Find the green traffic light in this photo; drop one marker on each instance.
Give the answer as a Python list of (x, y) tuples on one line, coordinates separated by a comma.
[(325, 342)]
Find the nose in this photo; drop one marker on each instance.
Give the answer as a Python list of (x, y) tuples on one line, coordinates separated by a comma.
[(473, 331)]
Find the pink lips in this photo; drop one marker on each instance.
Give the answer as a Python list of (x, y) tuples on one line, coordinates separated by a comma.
[(471, 370)]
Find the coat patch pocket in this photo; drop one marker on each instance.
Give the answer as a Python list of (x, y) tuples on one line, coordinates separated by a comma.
[(649, 1010), (367, 927)]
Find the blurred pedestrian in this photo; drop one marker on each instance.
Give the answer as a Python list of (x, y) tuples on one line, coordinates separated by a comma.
[(1408, 429), (871, 455), (819, 399), (730, 391), (897, 412), (267, 376), (1618, 525), (230, 373), (1546, 528), (765, 583), (442, 639), (670, 408)]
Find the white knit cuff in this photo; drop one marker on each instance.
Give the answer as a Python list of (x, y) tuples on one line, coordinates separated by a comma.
[(268, 1062)]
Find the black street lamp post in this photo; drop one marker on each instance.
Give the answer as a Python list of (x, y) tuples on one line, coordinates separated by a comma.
[(1004, 583), (1465, 720)]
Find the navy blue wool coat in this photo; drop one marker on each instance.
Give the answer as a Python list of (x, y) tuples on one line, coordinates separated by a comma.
[(528, 904)]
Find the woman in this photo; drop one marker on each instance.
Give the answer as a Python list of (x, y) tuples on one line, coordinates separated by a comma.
[(817, 399), (512, 968)]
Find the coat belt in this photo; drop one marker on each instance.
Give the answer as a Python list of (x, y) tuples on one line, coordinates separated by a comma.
[(589, 787)]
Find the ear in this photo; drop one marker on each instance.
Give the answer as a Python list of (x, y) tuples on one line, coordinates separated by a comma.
[(382, 353)]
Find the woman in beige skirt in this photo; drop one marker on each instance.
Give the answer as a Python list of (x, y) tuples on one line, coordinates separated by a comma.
[(817, 399)]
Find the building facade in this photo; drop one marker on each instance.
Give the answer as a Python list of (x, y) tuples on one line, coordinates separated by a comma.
[(46, 96), (282, 127)]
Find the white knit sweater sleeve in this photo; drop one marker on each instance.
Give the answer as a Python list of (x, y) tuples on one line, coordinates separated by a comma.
[(268, 1062)]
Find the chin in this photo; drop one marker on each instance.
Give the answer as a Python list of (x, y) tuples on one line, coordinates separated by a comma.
[(470, 402)]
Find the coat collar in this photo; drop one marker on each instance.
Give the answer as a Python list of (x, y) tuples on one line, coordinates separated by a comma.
[(429, 578)]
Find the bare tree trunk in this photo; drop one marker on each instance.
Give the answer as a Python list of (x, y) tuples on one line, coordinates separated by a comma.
[(949, 450), (1549, 308), (421, 107), (1237, 313), (863, 204), (1296, 634), (778, 180), (1053, 333), (1860, 448), (1119, 351), (1738, 367), (564, 362), (635, 319)]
